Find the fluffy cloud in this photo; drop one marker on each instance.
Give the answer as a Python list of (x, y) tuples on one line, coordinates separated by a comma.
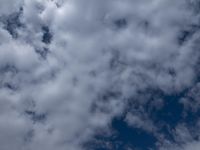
[(68, 67)]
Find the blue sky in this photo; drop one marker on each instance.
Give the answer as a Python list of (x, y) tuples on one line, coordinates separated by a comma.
[(99, 75)]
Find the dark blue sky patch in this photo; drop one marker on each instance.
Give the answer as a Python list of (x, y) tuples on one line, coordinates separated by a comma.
[(171, 112), (197, 66), (195, 6), (166, 131), (12, 23), (123, 137), (166, 116), (120, 23), (36, 117), (192, 110), (186, 34), (135, 137), (47, 35), (191, 118), (42, 52)]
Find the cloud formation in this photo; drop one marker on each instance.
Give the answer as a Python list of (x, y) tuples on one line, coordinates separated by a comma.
[(67, 68)]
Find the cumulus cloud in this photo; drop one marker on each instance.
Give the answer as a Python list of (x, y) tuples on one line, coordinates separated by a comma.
[(68, 67)]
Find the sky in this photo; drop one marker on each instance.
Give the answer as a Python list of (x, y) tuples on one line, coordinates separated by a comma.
[(99, 75)]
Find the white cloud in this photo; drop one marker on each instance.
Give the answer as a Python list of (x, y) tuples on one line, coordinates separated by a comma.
[(89, 60)]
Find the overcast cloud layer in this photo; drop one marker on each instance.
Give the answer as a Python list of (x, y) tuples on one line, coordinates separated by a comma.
[(92, 74)]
